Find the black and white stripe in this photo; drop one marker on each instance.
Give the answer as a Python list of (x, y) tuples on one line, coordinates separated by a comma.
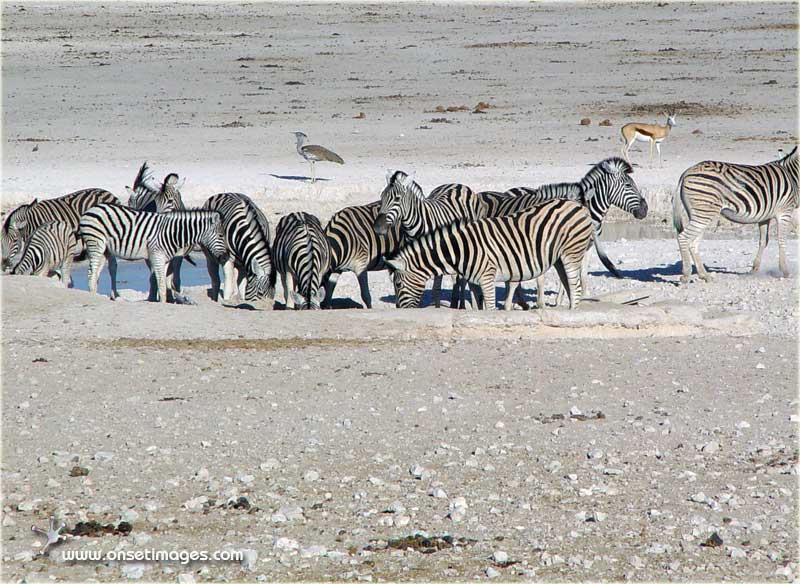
[(20, 223), (510, 248), (741, 193), (111, 231), (49, 249), (247, 237), (355, 247), (302, 257), (142, 195)]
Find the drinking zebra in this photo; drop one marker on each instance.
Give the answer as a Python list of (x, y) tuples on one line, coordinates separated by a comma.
[(741, 193), (356, 247), (608, 183), (111, 231), (20, 223), (302, 257), (513, 247), (403, 203), (247, 237), (49, 249)]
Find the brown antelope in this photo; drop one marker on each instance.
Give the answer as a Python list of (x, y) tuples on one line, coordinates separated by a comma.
[(652, 133)]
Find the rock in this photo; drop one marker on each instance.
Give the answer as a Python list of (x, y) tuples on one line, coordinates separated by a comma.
[(595, 454), (605, 123), (202, 475), (612, 471), (195, 504), (574, 411), (419, 472), (141, 539), (129, 516), (103, 457), (438, 493), (133, 571), (249, 559), (23, 556), (742, 425), (396, 507), (736, 553), (269, 464), (8, 521), (492, 573), (292, 512), (311, 476), (760, 366), (499, 557), (28, 505), (698, 497), (313, 551), (710, 447), (585, 121), (402, 520), (186, 578), (284, 543), (636, 562)]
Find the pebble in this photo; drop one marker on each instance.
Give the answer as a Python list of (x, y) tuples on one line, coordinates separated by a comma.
[(291, 512), (636, 562), (742, 425), (396, 507), (24, 556), (141, 538), (202, 475), (133, 571), (249, 559), (186, 578), (595, 453), (760, 366), (438, 493), (284, 543), (311, 476), (103, 457), (129, 515), (269, 464), (402, 520), (612, 471), (28, 505), (492, 573), (499, 557), (710, 447), (313, 551), (195, 504), (419, 472)]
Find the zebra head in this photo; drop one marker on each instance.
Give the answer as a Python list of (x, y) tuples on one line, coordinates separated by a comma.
[(610, 183), (399, 187), (260, 283), (169, 197), (213, 238), (15, 231), (408, 284), (143, 193)]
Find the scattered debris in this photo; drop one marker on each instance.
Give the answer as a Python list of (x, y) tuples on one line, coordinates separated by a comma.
[(605, 122), (422, 543), (713, 541), (586, 121), (78, 471), (97, 529)]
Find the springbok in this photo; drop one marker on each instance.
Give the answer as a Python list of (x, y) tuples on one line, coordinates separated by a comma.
[(652, 133)]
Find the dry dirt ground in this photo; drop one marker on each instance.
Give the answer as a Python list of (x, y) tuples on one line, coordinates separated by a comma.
[(605, 443)]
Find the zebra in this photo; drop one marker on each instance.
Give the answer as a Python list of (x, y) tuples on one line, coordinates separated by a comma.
[(403, 202), (512, 247), (247, 237), (142, 195), (111, 231), (740, 193), (302, 257), (20, 223), (608, 183), (50, 248), (355, 247)]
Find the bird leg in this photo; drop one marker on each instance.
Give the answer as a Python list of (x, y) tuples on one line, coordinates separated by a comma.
[(53, 534), (313, 174)]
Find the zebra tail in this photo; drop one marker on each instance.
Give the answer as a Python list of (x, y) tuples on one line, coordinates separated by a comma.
[(677, 203), (189, 259), (731, 216), (605, 259)]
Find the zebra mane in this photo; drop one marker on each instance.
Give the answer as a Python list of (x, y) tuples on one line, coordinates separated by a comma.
[(793, 152), (263, 224), (613, 165), (144, 180), (401, 179), (563, 190), (13, 213)]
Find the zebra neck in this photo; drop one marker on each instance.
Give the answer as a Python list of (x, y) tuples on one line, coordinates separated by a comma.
[(415, 215)]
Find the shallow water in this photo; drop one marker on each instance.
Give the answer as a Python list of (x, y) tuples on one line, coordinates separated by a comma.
[(135, 275)]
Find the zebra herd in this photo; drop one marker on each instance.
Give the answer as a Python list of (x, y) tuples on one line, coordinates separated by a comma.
[(477, 238)]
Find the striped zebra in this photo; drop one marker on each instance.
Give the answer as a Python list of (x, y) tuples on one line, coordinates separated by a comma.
[(247, 237), (741, 193), (355, 247), (403, 203), (49, 249), (142, 195), (20, 223), (513, 247), (608, 183), (111, 231), (302, 257)]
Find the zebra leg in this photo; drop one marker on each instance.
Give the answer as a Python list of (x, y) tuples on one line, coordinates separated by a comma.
[(228, 270), (330, 286), (569, 273), (363, 284), (763, 241), (175, 280), (159, 270), (689, 243), (112, 273), (66, 269), (540, 281), (487, 288), (436, 291), (288, 288), (96, 262), (783, 225), (212, 266), (585, 275), (511, 291)]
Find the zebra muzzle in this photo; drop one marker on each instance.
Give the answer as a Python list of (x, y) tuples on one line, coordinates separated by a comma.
[(641, 211), (381, 225)]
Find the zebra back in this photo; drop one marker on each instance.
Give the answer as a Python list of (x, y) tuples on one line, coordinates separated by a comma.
[(301, 249), (247, 236), (48, 246), (353, 242)]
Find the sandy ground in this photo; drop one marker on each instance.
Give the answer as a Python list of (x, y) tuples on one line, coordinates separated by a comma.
[(347, 429)]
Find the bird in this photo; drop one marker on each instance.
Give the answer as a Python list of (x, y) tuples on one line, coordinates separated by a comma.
[(314, 153)]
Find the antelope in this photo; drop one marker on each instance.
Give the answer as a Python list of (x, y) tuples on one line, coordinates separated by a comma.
[(653, 133)]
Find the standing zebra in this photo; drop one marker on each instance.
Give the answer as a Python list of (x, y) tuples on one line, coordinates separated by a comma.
[(741, 193), (355, 247), (22, 221), (403, 203), (111, 231), (49, 249), (513, 247), (247, 236), (608, 183), (302, 257)]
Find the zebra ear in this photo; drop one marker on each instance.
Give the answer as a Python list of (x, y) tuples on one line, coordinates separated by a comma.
[(171, 180), (389, 175), (408, 179), (320, 295), (397, 264), (256, 268)]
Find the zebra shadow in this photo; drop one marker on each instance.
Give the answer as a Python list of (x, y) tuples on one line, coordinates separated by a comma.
[(343, 304), (296, 177), (657, 273)]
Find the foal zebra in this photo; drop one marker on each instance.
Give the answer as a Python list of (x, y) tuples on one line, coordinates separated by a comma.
[(513, 247), (22, 221), (111, 231), (50, 248), (247, 237), (302, 257), (403, 203), (741, 193), (355, 247)]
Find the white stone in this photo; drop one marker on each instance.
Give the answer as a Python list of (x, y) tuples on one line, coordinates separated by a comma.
[(311, 476), (396, 507), (736, 553), (195, 504), (291, 512), (186, 578), (129, 515), (141, 538), (249, 559), (402, 520), (133, 571), (284, 543), (499, 557), (313, 551), (438, 493), (492, 573), (104, 457), (23, 556)]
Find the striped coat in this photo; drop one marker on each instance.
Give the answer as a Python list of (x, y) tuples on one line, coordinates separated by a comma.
[(49, 249), (302, 257)]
